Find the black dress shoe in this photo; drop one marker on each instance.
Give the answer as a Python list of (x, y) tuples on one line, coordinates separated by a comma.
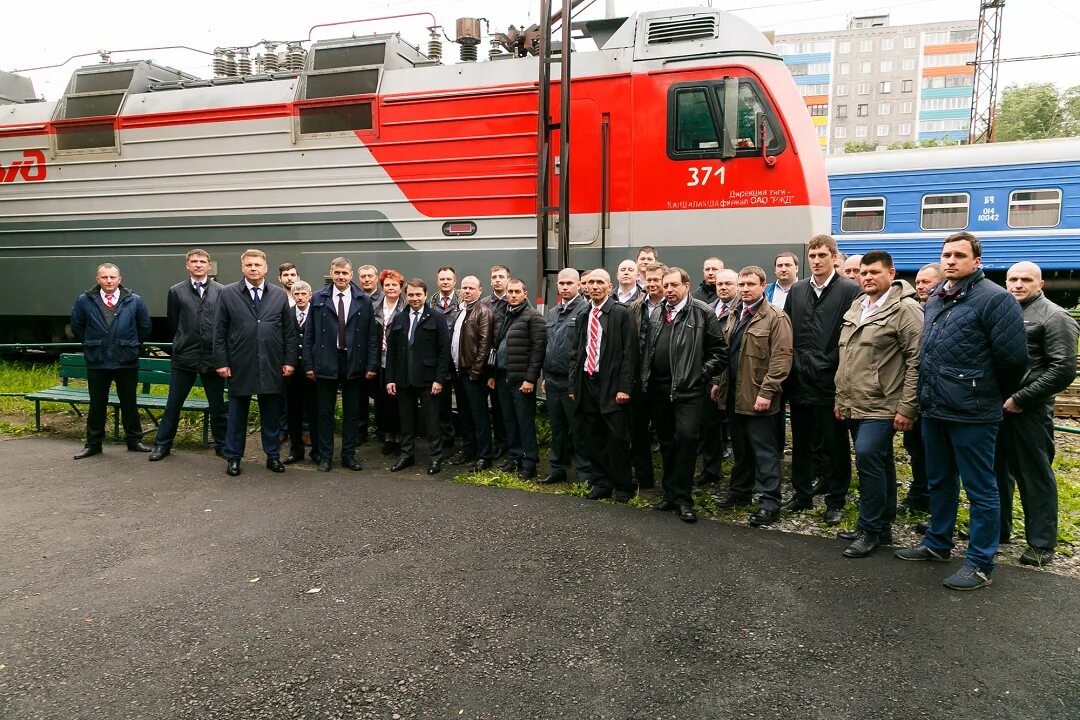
[(864, 545), (434, 468), (884, 537), (509, 466), (599, 493), (460, 458), (138, 447), (324, 466), (664, 506), (220, 452), (481, 464), (527, 473), (763, 516), (292, 458), (552, 479), (401, 464), (730, 501), (351, 463), (159, 453), (88, 451), (275, 465), (623, 498), (232, 468), (833, 516), (686, 513), (796, 505), (315, 458)]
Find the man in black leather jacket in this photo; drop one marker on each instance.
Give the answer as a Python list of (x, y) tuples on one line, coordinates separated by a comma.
[(1025, 443), (683, 350)]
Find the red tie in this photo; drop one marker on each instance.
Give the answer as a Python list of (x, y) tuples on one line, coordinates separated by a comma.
[(445, 302), (668, 315), (592, 357), (109, 300)]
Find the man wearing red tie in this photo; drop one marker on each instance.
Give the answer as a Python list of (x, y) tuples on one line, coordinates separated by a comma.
[(602, 371), (446, 301)]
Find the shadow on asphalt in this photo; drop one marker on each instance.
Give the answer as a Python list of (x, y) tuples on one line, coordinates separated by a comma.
[(168, 590)]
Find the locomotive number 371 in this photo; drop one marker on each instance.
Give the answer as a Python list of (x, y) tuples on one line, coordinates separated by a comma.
[(701, 176)]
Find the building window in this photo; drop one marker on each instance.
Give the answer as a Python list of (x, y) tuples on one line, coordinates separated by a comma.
[(862, 214), (906, 108), (947, 103), (862, 110), (885, 66), (860, 131), (863, 89), (945, 212), (903, 129), (821, 131), (866, 46), (887, 43), (843, 47), (844, 68), (884, 108), (907, 86), (818, 110), (1034, 208), (961, 58), (885, 87), (798, 70), (909, 42), (841, 111), (841, 90), (908, 64), (936, 38), (840, 132), (865, 67), (819, 89), (960, 36), (882, 130)]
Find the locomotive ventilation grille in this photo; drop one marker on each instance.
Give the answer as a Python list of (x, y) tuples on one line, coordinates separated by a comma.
[(698, 27)]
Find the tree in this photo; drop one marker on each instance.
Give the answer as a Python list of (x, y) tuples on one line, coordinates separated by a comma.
[(1029, 112), (1070, 105), (858, 147)]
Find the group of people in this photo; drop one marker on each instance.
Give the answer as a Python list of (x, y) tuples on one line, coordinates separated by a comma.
[(965, 369)]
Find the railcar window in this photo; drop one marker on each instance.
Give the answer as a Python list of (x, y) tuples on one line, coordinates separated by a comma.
[(1034, 208), (862, 214), (335, 118), (945, 212), (351, 56), (355, 82), (694, 125), (696, 122), (92, 106), (85, 137)]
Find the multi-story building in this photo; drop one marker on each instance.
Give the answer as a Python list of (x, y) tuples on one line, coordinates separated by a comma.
[(879, 84)]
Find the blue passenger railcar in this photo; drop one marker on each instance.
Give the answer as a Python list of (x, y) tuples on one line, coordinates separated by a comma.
[(1021, 199)]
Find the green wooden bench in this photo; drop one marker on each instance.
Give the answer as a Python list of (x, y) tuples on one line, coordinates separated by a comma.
[(152, 371)]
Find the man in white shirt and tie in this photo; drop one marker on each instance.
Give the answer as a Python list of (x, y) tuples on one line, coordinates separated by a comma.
[(715, 443), (446, 300)]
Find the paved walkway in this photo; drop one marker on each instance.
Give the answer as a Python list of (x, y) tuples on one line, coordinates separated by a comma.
[(168, 590)]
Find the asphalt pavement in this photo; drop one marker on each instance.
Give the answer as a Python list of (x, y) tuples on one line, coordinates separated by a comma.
[(133, 590)]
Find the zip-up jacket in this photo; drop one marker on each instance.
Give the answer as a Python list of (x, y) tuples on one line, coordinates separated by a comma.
[(561, 326), (115, 346), (698, 349), (1051, 340)]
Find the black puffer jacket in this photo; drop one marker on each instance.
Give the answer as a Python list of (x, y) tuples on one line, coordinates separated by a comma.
[(525, 332)]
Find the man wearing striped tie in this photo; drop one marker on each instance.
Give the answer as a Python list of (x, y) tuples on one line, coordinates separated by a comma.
[(602, 371)]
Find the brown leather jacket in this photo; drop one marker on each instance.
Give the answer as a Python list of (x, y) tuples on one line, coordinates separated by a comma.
[(764, 359), (476, 338)]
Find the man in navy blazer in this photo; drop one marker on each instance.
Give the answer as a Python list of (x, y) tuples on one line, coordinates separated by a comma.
[(417, 361), (255, 347), (341, 349)]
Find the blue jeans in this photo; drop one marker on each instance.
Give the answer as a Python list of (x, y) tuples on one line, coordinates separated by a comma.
[(967, 449), (877, 474), (519, 415)]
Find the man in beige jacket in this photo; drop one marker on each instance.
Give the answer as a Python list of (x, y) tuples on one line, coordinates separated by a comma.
[(876, 390), (759, 360)]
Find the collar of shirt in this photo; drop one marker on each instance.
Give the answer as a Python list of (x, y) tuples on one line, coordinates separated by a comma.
[(623, 296), (678, 308), (204, 281), (249, 286), (115, 295), (868, 307), (300, 312), (822, 286)]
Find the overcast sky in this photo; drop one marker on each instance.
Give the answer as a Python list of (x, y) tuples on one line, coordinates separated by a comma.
[(1031, 27)]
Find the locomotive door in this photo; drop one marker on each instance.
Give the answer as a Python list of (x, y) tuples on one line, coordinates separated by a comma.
[(586, 175)]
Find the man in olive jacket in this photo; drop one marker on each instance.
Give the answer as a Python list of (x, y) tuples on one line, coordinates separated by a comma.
[(877, 390), (759, 360), (256, 346)]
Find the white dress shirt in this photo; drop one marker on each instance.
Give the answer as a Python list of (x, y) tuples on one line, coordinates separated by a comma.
[(455, 340), (599, 334), (818, 289), (868, 309), (114, 296), (627, 295), (779, 296), (301, 315), (250, 287)]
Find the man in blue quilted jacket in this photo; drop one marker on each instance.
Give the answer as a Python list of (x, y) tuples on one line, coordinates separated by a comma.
[(974, 355)]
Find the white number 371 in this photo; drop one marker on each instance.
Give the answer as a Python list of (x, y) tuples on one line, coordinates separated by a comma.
[(700, 176)]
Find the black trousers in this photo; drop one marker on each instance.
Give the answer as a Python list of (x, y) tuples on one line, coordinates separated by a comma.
[(641, 439), (566, 439), (446, 412), (1023, 458), (387, 416), (180, 383), (607, 440), (473, 414), (757, 458), (269, 415), (815, 427), (498, 425), (677, 424), (918, 494), (714, 439), (408, 398), (98, 382), (302, 407), (366, 388), (350, 412)]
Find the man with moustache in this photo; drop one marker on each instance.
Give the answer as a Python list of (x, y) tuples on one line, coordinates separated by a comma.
[(714, 430), (301, 392), (255, 348), (191, 308), (470, 344)]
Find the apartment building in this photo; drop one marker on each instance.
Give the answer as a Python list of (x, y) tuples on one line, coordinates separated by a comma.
[(879, 84)]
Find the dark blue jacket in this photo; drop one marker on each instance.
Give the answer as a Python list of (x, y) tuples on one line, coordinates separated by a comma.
[(110, 347), (974, 351), (363, 339)]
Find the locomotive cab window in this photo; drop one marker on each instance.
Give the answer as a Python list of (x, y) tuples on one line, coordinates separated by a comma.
[(1034, 208), (862, 214), (945, 212), (720, 120), (335, 93)]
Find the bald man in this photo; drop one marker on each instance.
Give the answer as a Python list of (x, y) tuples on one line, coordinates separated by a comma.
[(1025, 442), (929, 275), (851, 267), (627, 291)]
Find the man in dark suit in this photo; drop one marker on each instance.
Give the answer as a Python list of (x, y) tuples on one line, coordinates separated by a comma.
[(110, 321), (301, 396), (714, 429), (446, 300), (192, 311), (417, 359), (341, 349), (255, 347), (602, 370)]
